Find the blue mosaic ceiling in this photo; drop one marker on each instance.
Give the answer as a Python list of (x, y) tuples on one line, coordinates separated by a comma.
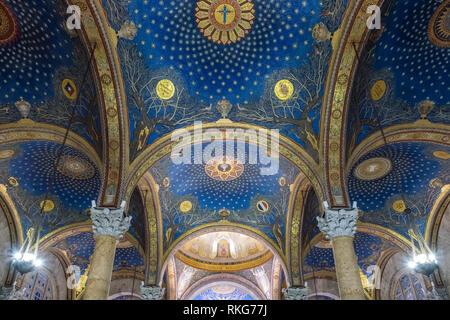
[(401, 71), (189, 197), (169, 45), (34, 64), (414, 166), (26, 169), (80, 247)]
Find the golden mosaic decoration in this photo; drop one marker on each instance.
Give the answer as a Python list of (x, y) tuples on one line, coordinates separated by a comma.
[(75, 167), (6, 154), (399, 206), (439, 26), (224, 21), (372, 169), (185, 206), (165, 89), (13, 182), (224, 169), (378, 90), (441, 155), (284, 89), (47, 205), (9, 27)]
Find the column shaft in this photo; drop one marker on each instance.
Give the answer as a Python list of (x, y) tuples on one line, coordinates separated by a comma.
[(102, 262), (347, 271)]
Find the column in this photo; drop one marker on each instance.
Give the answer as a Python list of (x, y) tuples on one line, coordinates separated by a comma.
[(152, 292), (340, 227), (109, 225), (296, 293)]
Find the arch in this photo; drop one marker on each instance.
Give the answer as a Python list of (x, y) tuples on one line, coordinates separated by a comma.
[(106, 72), (439, 236), (323, 294), (222, 226), (396, 282), (28, 130), (163, 147), (419, 131), (349, 38), (237, 281)]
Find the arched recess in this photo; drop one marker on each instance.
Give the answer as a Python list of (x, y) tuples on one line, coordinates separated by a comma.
[(11, 236), (163, 147), (96, 33), (28, 130), (153, 228), (297, 205), (350, 38), (419, 131), (237, 281), (223, 226), (437, 235)]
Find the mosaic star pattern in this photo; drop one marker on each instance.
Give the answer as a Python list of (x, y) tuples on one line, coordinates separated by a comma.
[(279, 38), (410, 164), (420, 67), (27, 65), (34, 169)]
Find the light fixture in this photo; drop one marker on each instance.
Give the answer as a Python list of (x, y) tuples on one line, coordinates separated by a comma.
[(25, 260), (24, 108), (423, 259)]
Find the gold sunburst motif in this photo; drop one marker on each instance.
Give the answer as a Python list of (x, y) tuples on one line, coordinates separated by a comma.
[(185, 206), (224, 169), (372, 169), (224, 21), (399, 206), (47, 205), (439, 26), (284, 89)]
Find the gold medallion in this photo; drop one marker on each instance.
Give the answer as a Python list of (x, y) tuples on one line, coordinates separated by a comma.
[(441, 155), (284, 89), (372, 169), (69, 89), (185, 206), (48, 206), (378, 90), (165, 89), (399, 206), (6, 154)]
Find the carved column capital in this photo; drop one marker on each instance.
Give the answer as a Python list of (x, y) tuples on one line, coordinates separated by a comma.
[(296, 293), (11, 293), (152, 292), (338, 223), (108, 221)]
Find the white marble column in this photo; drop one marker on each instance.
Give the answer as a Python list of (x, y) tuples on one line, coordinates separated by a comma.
[(296, 293), (340, 227), (109, 225), (152, 292)]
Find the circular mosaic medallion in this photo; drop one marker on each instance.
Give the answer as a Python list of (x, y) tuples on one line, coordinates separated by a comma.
[(224, 169), (378, 90), (185, 206), (372, 169), (13, 182), (441, 155), (75, 167), (69, 89), (166, 182), (399, 206), (439, 26), (262, 206), (282, 181), (48, 206), (284, 89), (9, 27), (165, 89), (224, 21), (6, 154)]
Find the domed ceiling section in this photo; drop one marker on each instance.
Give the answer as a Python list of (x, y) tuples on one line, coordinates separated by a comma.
[(181, 59), (224, 251), (41, 64), (27, 168), (403, 74), (194, 194), (403, 175)]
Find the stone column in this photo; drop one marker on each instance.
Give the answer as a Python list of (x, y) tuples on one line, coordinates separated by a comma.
[(296, 293), (109, 225), (340, 227), (152, 292)]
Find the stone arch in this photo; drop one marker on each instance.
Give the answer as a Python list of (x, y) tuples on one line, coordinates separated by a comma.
[(240, 282), (223, 226)]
